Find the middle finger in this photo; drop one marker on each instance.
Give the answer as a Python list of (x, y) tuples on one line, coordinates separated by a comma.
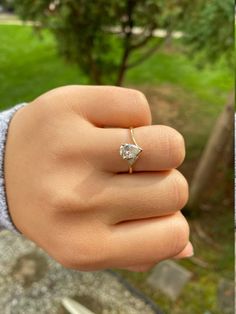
[(142, 195)]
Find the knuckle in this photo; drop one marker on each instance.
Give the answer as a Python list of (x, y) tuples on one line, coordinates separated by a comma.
[(58, 200), (61, 194), (62, 201), (180, 190)]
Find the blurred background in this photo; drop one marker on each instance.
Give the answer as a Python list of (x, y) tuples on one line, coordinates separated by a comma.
[(180, 54)]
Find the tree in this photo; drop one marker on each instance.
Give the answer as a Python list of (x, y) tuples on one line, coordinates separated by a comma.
[(222, 134), (212, 30), (102, 36)]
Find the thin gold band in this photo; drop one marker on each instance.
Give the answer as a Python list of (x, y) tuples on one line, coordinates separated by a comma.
[(133, 139)]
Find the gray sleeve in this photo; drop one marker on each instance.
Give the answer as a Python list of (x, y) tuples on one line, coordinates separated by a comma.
[(5, 219)]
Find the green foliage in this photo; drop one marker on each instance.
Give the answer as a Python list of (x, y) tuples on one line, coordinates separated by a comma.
[(8, 4), (88, 32), (101, 37), (211, 28)]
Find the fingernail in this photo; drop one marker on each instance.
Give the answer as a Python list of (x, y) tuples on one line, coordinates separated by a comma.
[(188, 251)]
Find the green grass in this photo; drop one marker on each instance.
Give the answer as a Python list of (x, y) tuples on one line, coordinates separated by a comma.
[(30, 66), (209, 84)]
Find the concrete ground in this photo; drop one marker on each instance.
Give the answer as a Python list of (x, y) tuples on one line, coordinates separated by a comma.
[(31, 282)]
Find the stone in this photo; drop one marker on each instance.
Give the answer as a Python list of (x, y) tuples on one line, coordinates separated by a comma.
[(169, 278), (226, 296), (130, 152)]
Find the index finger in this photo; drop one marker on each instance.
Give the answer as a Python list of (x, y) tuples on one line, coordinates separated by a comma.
[(111, 106)]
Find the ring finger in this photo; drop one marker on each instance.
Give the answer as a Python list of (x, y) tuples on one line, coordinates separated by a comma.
[(163, 148)]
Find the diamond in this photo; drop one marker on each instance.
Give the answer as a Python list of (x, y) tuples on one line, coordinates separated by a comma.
[(130, 152)]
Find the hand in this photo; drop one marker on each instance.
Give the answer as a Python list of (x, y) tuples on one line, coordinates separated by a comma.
[(69, 191)]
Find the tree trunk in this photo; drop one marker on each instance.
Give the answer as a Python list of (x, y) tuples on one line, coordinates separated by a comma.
[(122, 68), (229, 151), (127, 31), (212, 153)]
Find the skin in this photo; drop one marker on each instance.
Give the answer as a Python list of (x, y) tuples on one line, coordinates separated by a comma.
[(69, 191)]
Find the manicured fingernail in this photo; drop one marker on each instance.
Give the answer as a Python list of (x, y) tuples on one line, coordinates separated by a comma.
[(188, 251)]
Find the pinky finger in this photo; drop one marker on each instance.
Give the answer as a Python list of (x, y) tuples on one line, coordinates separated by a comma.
[(187, 252)]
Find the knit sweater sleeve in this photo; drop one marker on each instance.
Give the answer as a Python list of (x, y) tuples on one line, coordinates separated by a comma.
[(5, 218)]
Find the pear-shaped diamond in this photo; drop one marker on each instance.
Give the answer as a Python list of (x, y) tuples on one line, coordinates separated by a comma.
[(130, 152)]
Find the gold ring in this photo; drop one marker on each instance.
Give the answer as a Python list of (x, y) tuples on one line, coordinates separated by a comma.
[(130, 152)]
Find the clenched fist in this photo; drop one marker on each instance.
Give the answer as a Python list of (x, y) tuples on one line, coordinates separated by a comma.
[(69, 190)]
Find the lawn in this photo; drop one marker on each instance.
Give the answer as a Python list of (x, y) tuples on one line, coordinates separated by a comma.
[(181, 95), (29, 66)]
